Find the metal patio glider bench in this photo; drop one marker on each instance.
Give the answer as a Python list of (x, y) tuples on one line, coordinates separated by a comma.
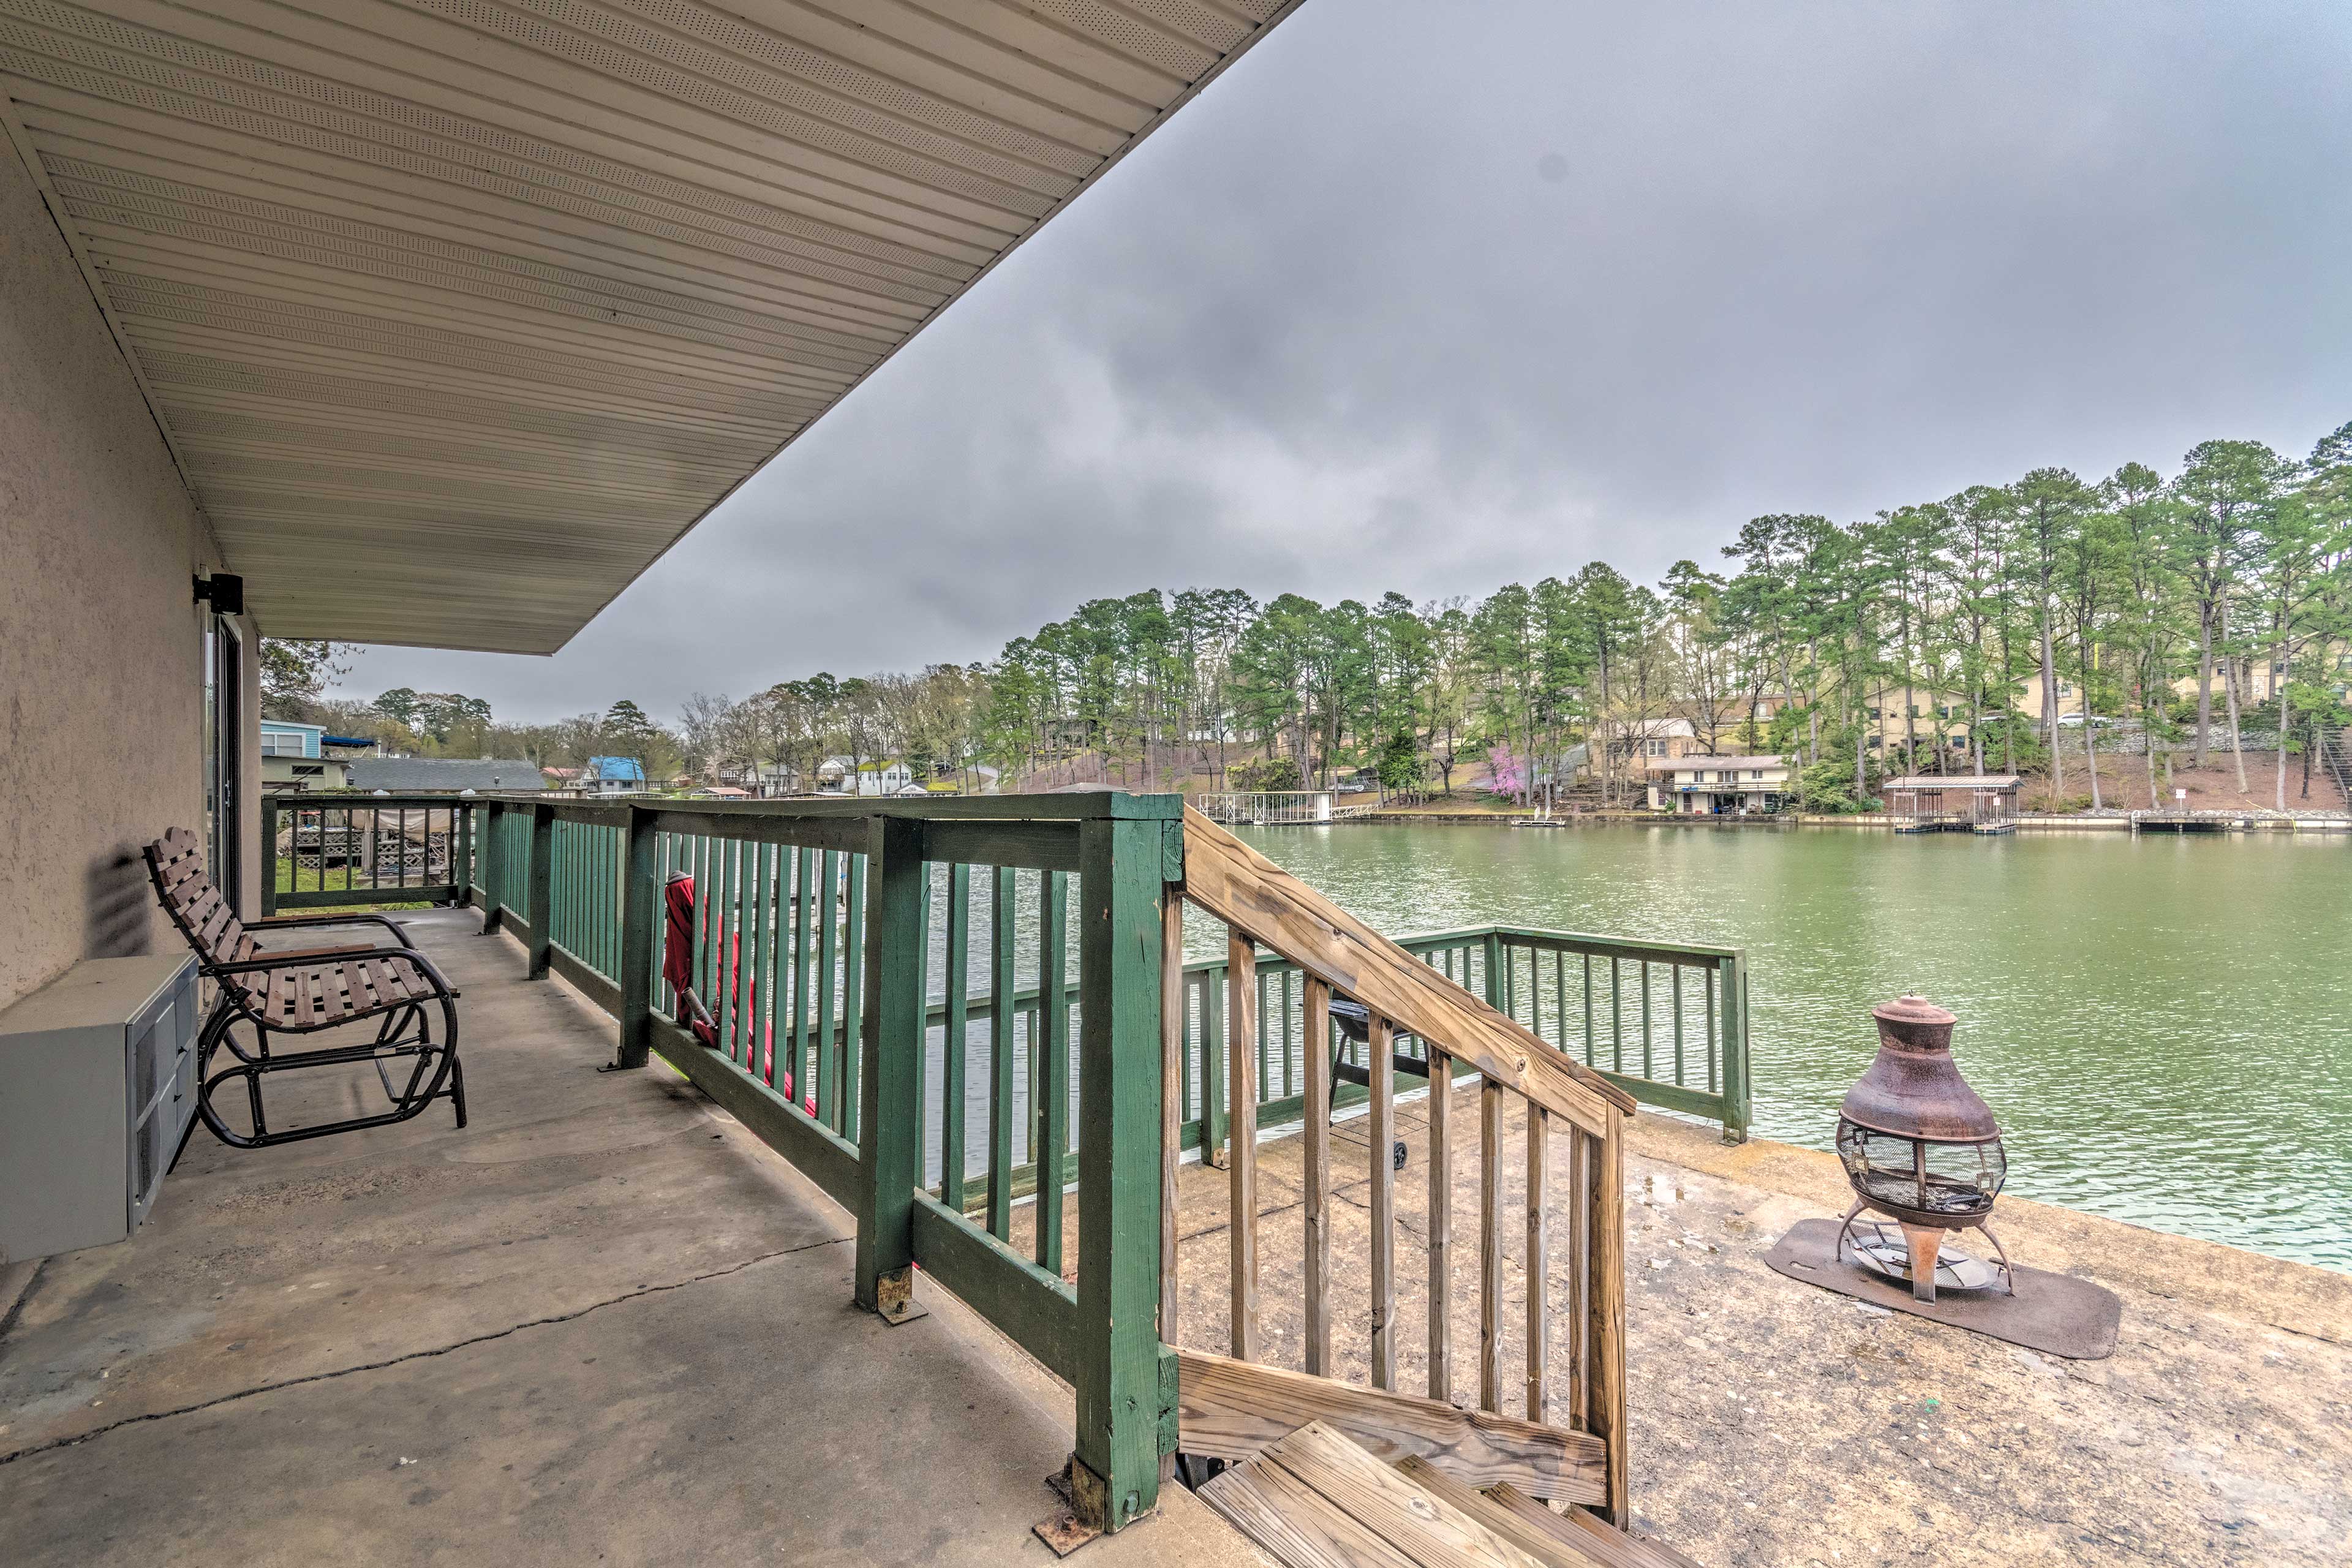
[(305, 992)]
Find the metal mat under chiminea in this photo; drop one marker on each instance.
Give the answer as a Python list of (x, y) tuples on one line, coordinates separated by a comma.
[(1924, 1157)]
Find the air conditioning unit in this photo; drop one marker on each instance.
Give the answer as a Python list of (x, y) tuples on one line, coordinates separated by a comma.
[(98, 1084)]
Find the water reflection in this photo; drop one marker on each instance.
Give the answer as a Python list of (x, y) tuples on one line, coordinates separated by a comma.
[(2160, 1023)]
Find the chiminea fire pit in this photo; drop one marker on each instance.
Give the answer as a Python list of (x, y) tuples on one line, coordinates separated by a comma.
[(1920, 1147)]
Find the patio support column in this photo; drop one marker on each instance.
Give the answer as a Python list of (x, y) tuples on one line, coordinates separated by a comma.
[(640, 900), (890, 1108), (494, 873), (1122, 1404), (269, 862), (540, 909), (461, 867)]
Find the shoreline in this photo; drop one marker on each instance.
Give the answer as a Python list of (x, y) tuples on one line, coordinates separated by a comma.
[(2227, 822)]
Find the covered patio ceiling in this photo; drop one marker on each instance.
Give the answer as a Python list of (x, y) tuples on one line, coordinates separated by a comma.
[(457, 314)]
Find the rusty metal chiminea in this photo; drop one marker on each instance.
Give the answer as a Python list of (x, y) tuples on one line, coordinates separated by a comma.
[(1920, 1147)]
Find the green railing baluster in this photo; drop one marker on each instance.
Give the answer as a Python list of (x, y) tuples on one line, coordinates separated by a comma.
[(923, 1066), (726, 936), (1714, 1084), (1645, 1020), (807, 906), (826, 1060), (852, 995), (1616, 1020), (1053, 1066), (951, 1071), (759, 963), (1003, 938), (1675, 971), (1559, 999)]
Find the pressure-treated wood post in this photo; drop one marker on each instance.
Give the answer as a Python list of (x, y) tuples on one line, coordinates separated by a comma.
[(1604, 1315), (269, 854), (640, 917), (1241, 1137), (1121, 936), (494, 862), (540, 909), (890, 1124)]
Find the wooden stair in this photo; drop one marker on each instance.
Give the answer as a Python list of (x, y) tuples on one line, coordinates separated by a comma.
[(1317, 1498)]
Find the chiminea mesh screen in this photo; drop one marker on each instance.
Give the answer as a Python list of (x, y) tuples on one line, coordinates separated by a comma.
[(1915, 1174)]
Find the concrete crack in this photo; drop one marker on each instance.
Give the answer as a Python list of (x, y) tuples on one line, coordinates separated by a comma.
[(95, 1433)]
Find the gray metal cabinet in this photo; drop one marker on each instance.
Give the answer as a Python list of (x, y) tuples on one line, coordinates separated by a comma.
[(97, 1085)]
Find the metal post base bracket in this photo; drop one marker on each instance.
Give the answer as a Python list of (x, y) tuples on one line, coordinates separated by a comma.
[(894, 1297), (1086, 1511)]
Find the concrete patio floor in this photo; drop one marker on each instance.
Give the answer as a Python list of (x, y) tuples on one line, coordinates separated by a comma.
[(603, 1323)]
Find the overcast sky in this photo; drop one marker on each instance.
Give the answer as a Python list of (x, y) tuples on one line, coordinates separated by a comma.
[(1397, 304)]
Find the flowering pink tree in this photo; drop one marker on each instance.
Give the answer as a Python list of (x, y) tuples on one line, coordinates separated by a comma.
[(1506, 771)]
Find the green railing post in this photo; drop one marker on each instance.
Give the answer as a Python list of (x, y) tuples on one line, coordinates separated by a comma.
[(461, 855), (1115, 1473), (890, 1119), (1734, 1048), (269, 854), (540, 910), (640, 898), (1493, 951), (494, 876)]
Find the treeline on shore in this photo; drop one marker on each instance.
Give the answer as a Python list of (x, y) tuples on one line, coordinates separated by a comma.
[(1998, 629)]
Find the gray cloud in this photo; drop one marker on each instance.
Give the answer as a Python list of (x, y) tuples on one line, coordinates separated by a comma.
[(1399, 303)]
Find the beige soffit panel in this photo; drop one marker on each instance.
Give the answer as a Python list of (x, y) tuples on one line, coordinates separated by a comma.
[(457, 314)]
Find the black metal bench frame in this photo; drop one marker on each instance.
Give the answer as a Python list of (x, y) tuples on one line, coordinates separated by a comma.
[(228, 956)]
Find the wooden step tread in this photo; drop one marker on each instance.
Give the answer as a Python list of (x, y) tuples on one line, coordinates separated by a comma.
[(1233, 1410), (1601, 1546), (1315, 1499), (1540, 1540)]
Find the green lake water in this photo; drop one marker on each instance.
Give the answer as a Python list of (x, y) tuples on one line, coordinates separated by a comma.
[(2162, 1025)]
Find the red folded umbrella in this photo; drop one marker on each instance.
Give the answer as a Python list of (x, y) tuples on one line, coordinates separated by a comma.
[(678, 971)]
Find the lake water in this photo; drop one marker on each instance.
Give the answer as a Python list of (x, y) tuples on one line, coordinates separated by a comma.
[(2162, 1025)]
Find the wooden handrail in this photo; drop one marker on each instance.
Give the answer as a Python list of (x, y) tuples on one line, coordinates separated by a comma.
[(1261, 904), (1252, 894)]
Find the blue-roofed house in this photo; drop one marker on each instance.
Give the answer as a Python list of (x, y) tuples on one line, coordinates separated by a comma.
[(612, 776)]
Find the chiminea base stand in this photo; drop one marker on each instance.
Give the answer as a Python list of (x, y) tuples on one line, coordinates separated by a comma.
[(2057, 1314), (1915, 1256)]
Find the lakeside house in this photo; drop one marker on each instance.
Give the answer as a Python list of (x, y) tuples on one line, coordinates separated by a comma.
[(1698, 784), (873, 775), (602, 776), (295, 757), (444, 775)]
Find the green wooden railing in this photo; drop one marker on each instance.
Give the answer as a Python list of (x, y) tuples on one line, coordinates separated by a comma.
[(337, 850), (1666, 1021), (834, 943), (837, 940)]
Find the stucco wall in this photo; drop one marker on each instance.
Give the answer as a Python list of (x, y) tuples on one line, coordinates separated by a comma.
[(101, 653)]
